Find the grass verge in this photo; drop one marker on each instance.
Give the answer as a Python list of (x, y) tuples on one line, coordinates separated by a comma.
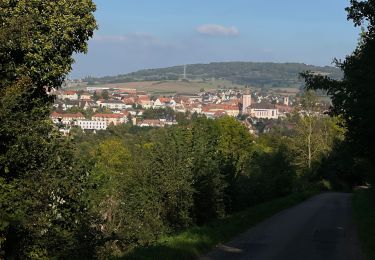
[(198, 240), (364, 214)]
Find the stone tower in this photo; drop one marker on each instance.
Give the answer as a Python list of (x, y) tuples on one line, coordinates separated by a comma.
[(246, 100), (286, 101)]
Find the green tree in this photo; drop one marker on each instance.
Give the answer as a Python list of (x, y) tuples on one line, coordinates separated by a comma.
[(209, 181), (170, 163), (95, 96), (41, 208), (235, 146), (40, 181), (314, 134), (269, 174), (38, 39), (105, 94), (156, 113), (353, 96), (340, 170)]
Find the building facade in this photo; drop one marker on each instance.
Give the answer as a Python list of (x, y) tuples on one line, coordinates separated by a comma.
[(263, 110), (246, 101), (115, 119), (91, 125)]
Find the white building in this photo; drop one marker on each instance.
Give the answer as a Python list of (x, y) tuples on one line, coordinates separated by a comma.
[(164, 102), (69, 94), (92, 125), (112, 104), (92, 89), (263, 110), (115, 119), (66, 119), (85, 96)]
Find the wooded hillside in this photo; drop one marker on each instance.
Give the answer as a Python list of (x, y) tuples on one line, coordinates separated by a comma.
[(256, 74)]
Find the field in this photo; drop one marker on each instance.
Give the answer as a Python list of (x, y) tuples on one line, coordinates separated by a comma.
[(166, 87), (181, 87), (284, 91)]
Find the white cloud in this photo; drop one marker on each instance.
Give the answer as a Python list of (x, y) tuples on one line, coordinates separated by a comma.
[(218, 30)]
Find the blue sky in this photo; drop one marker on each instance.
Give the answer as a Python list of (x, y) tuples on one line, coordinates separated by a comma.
[(139, 34)]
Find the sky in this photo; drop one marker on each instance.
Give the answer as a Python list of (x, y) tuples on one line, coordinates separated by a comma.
[(142, 34)]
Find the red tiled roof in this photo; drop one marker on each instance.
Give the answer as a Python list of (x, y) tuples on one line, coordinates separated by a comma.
[(69, 92), (263, 106), (143, 98), (76, 115), (55, 114), (109, 115), (221, 107), (220, 113), (164, 100), (128, 101)]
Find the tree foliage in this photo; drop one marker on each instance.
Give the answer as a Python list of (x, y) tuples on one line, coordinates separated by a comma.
[(209, 182), (177, 177), (314, 133), (38, 38), (353, 96), (257, 74), (41, 182)]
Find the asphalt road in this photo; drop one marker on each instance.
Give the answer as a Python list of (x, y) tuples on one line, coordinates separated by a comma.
[(320, 228)]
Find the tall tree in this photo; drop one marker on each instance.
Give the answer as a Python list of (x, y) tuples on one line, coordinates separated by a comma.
[(209, 182), (40, 181), (105, 94), (235, 147), (38, 38), (353, 96), (170, 157), (314, 133)]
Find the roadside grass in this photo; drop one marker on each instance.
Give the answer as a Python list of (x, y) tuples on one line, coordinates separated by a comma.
[(364, 214), (197, 240)]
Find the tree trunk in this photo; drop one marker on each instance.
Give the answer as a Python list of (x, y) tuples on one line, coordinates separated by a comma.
[(309, 144)]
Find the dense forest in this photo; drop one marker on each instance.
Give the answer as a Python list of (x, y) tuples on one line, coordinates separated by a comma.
[(138, 184), (102, 195), (256, 74)]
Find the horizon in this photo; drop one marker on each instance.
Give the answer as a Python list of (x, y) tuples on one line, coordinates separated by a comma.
[(206, 63), (148, 35)]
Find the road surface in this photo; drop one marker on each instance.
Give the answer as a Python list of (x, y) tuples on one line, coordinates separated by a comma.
[(320, 228)]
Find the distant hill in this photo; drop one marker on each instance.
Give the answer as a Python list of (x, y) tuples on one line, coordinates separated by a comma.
[(257, 74)]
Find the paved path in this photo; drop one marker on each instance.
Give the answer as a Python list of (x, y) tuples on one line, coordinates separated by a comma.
[(320, 228)]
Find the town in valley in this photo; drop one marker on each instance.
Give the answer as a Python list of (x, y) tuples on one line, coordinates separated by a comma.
[(95, 108)]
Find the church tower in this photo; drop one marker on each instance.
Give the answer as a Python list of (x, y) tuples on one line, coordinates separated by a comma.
[(246, 100), (286, 101)]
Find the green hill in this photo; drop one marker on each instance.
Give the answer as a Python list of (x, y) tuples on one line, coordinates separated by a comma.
[(257, 74)]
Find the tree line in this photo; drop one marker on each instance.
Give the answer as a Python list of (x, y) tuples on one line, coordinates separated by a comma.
[(144, 183), (257, 74)]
